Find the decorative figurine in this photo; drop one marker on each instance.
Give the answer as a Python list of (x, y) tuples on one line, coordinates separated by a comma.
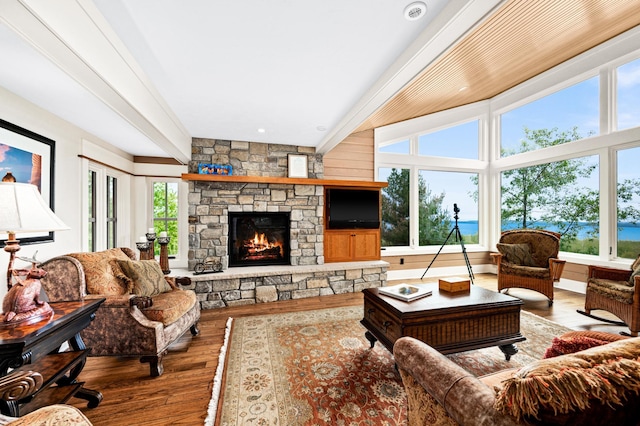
[(22, 302)]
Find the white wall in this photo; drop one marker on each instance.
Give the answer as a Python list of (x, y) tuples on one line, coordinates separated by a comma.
[(70, 175)]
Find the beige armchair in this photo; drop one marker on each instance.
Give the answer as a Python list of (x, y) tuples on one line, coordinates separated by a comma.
[(20, 385), (528, 258), (144, 311)]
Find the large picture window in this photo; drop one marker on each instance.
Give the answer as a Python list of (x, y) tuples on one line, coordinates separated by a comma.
[(459, 141), (628, 203), (627, 95), (554, 153), (561, 196), (395, 207), (574, 110), (438, 193)]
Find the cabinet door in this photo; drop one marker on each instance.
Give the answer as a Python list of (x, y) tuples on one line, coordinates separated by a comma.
[(366, 245), (337, 246)]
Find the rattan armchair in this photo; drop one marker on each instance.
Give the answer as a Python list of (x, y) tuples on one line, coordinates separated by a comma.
[(616, 291), (528, 259)]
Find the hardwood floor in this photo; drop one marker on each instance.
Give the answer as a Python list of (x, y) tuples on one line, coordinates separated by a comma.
[(181, 395)]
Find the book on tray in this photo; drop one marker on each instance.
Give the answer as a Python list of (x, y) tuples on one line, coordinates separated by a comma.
[(404, 292)]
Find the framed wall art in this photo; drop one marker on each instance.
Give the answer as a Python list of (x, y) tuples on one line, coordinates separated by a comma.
[(297, 165), (29, 157)]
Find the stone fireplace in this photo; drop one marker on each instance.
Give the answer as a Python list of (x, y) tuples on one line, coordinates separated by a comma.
[(211, 204), (215, 204), (258, 238)]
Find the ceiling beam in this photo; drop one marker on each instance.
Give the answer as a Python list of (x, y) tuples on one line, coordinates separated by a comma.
[(74, 36)]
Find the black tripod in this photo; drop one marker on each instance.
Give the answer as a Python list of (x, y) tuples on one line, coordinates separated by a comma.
[(458, 237)]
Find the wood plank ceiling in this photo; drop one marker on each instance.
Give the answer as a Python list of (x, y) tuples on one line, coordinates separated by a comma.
[(522, 39)]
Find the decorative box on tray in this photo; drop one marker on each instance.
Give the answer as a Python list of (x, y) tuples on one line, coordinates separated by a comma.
[(454, 284)]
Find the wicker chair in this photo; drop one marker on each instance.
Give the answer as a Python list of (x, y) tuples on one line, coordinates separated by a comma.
[(616, 291), (528, 259)]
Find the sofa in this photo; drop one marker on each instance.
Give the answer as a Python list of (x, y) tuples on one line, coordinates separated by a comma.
[(143, 313), (594, 386)]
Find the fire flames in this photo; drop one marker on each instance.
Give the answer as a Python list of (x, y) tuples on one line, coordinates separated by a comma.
[(260, 247)]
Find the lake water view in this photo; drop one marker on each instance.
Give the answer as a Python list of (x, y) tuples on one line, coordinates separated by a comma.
[(626, 231)]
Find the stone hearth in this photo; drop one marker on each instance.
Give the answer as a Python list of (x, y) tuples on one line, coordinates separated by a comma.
[(259, 284)]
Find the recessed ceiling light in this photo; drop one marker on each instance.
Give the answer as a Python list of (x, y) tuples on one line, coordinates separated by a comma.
[(415, 11), (462, 89), (321, 128), (261, 130)]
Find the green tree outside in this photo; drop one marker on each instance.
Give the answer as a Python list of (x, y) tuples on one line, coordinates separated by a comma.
[(549, 196), (165, 214), (434, 222)]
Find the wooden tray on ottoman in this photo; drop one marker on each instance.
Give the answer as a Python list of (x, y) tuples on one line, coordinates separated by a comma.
[(449, 322)]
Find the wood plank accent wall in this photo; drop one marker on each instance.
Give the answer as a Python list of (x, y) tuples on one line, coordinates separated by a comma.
[(444, 260), (351, 159)]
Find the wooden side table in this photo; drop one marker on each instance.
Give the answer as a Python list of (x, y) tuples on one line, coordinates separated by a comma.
[(37, 346)]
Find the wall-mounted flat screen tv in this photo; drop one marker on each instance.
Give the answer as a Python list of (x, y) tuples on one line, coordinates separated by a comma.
[(352, 209)]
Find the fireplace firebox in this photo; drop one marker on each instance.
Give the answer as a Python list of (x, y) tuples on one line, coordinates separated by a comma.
[(258, 239)]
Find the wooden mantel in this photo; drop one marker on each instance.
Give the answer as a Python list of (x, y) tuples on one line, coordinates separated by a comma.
[(283, 180)]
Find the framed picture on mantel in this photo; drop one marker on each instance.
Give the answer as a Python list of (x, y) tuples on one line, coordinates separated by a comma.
[(298, 167)]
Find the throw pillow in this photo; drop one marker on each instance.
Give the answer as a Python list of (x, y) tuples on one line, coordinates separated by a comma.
[(518, 254), (560, 346), (147, 276), (568, 383), (99, 273)]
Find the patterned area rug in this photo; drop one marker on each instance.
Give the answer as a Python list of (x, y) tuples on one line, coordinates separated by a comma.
[(317, 368)]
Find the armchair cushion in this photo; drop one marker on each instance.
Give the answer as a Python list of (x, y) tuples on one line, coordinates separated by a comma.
[(518, 254), (170, 306), (146, 276), (616, 290), (609, 374), (101, 274)]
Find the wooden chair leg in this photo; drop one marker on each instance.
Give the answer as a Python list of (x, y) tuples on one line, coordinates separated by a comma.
[(194, 329), (155, 364)]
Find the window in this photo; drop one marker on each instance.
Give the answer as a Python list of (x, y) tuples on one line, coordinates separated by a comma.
[(561, 196), (459, 141), (165, 213), (395, 207), (541, 163), (438, 193), (402, 147), (572, 112), (92, 214), (627, 95), (102, 211), (628, 203), (112, 212)]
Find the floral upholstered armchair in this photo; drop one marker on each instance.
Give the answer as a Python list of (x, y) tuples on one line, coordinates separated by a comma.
[(144, 310), (528, 258)]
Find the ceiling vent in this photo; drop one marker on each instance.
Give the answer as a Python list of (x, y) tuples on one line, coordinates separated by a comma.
[(415, 11)]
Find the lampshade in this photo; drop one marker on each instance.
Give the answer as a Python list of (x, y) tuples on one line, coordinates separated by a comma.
[(22, 209)]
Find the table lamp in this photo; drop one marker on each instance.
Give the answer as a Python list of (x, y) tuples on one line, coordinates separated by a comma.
[(23, 210)]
